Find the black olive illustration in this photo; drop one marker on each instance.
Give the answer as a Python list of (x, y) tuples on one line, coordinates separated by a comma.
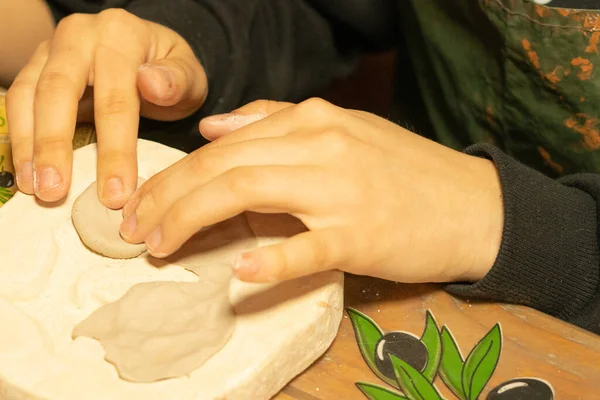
[(6, 178), (402, 345), (522, 388)]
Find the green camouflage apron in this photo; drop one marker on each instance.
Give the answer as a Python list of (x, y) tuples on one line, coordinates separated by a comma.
[(521, 75)]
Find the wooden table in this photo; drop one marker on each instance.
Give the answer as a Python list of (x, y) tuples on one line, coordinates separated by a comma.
[(532, 344)]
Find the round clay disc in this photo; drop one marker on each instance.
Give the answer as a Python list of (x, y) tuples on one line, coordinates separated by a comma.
[(98, 226)]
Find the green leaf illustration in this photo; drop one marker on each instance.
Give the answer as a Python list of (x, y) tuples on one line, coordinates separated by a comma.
[(367, 334), (481, 363), (413, 383), (451, 366), (5, 195), (431, 340), (376, 392)]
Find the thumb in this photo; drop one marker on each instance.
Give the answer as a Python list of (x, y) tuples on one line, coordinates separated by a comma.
[(171, 88), (303, 254), (215, 126)]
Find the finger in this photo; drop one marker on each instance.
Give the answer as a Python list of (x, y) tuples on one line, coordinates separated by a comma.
[(19, 109), (216, 126), (157, 195), (172, 88), (303, 254), (273, 189), (59, 88), (313, 115), (280, 123), (116, 114)]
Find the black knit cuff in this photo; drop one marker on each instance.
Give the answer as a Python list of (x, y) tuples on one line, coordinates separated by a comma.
[(549, 257)]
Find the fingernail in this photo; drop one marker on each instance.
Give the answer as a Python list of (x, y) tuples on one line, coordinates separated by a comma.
[(128, 226), (153, 241), (113, 189), (25, 173), (245, 265), (47, 179), (161, 78), (217, 118), (234, 121)]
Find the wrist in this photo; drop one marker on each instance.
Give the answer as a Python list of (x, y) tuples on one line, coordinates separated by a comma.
[(484, 220)]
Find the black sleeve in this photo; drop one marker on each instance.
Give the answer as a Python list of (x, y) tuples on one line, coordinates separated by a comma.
[(549, 258), (253, 49)]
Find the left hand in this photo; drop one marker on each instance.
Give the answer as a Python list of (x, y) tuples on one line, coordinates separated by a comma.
[(377, 199)]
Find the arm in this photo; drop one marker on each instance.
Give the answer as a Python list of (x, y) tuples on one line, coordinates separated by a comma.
[(549, 258)]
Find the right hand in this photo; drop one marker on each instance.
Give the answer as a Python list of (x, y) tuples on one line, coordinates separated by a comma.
[(135, 67)]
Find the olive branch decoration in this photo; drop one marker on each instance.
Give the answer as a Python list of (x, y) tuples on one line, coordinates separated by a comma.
[(410, 380)]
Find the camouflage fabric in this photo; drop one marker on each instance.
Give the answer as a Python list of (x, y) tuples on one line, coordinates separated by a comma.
[(521, 75)]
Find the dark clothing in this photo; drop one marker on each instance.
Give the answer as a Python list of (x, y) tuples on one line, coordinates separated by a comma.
[(511, 73)]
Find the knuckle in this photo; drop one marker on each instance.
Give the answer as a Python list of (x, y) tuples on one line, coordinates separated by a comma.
[(208, 161), (316, 109), (114, 103), (116, 16), (53, 81), (148, 202), (336, 141), (50, 144), (73, 23), (241, 181), (116, 22)]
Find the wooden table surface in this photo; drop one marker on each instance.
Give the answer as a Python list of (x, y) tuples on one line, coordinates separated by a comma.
[(533, 345)]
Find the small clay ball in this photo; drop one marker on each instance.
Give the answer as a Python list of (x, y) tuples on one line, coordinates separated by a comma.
[(98, 226)]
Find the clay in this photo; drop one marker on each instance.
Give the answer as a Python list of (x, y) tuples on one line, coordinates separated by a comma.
[(98, 226), (161, 330)]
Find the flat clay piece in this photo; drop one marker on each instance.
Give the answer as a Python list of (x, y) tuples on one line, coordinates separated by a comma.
[(51, 283), (98, 226), (161, 330)]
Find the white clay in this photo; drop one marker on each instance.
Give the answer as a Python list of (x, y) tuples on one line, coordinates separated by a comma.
[(161, 330), (98, 226), (51, 283)]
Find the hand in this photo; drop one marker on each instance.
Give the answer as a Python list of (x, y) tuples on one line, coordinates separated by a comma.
[(134, 66), (377, 199)]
